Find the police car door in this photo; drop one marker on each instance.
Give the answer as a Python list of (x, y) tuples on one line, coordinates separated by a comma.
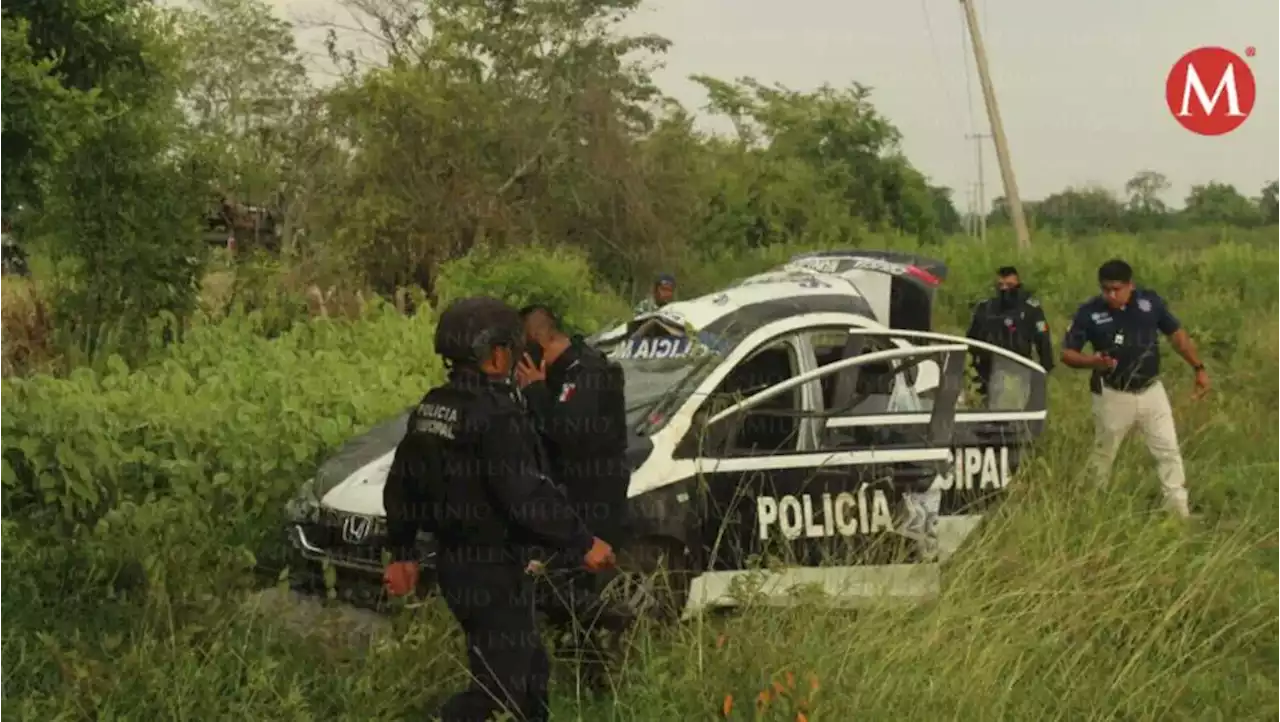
[(991, 434), (771, 489)]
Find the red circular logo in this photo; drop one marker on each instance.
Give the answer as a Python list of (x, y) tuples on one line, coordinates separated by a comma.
[(1210, 91)]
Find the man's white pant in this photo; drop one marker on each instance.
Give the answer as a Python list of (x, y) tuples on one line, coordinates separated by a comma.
[(1115, 412)]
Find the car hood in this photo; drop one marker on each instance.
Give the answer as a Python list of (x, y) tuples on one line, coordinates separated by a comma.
[(351, 481)]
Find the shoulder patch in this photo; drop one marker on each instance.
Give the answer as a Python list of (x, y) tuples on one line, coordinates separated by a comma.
[(567, 392), (1144, 304), (1033, 302)]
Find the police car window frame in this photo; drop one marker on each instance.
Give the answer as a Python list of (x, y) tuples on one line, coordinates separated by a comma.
[(1034, 409), (692, 441), (717, 439), (856, 344), (940, 419), (792, 325)]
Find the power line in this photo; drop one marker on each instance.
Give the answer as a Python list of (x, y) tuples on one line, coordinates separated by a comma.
[(937, 62)]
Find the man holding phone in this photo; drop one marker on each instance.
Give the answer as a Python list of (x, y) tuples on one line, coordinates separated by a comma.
[(575, 395), (1123, 324)]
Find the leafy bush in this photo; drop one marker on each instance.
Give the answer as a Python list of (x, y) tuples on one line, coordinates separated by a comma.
[(560, 277), (231, 419)]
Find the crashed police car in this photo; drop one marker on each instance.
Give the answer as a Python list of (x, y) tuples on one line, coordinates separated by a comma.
[(803, 427)]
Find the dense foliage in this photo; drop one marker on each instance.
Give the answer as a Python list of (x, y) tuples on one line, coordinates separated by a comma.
[(128, 125), (162, 402)]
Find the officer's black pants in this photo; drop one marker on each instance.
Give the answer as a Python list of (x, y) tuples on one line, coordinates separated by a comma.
[(586, 628), (509, 665)]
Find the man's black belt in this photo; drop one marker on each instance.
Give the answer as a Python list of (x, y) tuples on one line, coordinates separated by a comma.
[(1133, 387)]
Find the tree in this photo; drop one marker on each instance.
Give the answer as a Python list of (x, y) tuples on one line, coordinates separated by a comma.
[(1074, 212), (1145, 209), (1144, 190), (243, 89), (1220, 204), (491, 129), (58, 59), (35, 104), (949, 220), (100, 153), (851, 150), (1268, 204)]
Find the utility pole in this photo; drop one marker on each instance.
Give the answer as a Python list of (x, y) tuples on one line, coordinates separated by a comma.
[(968, 211), (981, 219), (997, 129)]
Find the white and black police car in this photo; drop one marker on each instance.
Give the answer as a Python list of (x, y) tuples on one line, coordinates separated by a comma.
[(803, 427)]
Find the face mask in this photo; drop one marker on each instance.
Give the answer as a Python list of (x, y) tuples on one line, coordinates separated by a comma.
[(1008, 296)]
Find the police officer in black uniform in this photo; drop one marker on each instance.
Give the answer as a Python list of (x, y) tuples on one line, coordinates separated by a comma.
[(469, 471), (1012, 320), (575, 394)]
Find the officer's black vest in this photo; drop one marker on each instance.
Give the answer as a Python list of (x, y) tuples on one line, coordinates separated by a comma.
[(1007, 327), (461, 512)]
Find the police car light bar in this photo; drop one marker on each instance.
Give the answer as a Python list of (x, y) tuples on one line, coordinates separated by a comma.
[(923, 275)]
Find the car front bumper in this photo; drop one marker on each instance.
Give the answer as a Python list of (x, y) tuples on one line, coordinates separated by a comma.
[(321, 542)]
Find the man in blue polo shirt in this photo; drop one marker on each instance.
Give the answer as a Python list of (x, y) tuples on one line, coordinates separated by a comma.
[(1123, 325)]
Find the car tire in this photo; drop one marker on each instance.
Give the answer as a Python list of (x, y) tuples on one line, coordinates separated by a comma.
[(657, 574)]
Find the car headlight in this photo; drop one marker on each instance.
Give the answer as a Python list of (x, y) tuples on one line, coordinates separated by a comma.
[(305, 505)]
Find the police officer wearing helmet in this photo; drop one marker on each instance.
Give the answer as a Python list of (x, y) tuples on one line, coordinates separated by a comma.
[(1011, 320), (576, 396), (469, 470)]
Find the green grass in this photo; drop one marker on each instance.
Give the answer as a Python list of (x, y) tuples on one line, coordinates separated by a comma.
[(1072, 602)]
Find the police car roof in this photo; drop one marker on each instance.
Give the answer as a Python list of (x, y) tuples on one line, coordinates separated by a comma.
[(919, 269), (821, 281), (773, 294)]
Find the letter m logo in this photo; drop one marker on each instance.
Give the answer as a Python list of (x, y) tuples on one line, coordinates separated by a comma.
[(1195, 106), (1226, 84)]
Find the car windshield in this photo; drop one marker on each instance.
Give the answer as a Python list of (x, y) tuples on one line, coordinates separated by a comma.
[(660, 373)]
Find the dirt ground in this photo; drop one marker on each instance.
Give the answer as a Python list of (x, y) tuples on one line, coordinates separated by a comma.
[(306, 614)]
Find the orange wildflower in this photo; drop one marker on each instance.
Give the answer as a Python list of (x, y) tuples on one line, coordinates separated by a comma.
[(762, 699)]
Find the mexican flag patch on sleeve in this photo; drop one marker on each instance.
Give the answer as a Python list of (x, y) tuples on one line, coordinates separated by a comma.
[(567, 392)]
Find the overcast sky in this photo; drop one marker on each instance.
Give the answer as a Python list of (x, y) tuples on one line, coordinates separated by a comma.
[(1080, 84)]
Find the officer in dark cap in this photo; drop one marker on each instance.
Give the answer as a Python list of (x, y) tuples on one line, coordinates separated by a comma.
[(1012, 320), (576, 396), (470, 471)]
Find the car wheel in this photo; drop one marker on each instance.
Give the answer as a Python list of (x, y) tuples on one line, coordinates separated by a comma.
[(656, 575)]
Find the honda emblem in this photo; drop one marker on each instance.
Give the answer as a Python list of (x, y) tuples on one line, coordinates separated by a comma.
[(355, 528)]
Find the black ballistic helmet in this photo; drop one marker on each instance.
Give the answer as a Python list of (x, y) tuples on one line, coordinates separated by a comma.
[(469, 327)]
